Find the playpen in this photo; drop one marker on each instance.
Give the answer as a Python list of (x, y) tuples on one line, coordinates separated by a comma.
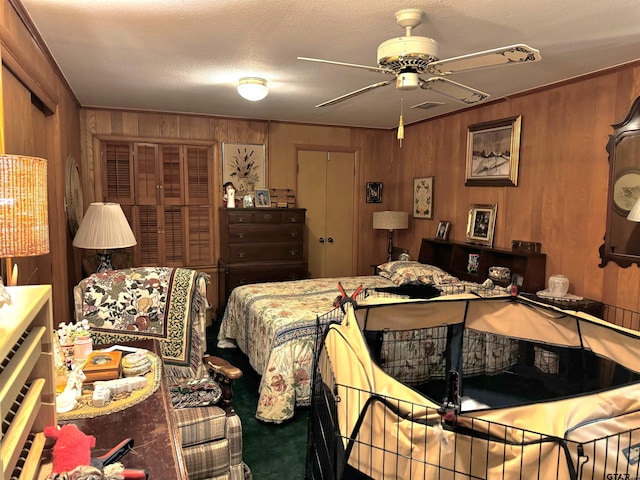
[(554, 394)]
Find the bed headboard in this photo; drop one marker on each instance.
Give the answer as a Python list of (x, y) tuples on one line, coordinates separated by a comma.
[(453, 257)]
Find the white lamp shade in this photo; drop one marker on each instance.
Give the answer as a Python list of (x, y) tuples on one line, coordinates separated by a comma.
[(390, 220), (104, 227), (253, 88), (634, 214)]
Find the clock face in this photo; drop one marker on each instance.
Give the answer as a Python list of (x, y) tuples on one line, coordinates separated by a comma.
[(626, 190), (73, 195)]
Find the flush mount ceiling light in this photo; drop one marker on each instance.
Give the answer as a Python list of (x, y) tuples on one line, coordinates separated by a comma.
[(252, 88)]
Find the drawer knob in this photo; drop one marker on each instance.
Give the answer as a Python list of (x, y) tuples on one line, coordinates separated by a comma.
[(267, 216), (293, 234), (293, 252), (241, 254), (241, 235)]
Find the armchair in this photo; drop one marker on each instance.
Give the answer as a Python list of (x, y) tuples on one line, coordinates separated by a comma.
[(170, 305)]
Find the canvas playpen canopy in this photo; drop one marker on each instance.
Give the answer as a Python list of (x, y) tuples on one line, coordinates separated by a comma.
[(388, 430)]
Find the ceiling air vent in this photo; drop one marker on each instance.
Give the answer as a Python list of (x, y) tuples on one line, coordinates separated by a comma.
[(427, 105)]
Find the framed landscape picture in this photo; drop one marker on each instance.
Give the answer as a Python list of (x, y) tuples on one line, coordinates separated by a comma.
[(493, 153), (423, 197)]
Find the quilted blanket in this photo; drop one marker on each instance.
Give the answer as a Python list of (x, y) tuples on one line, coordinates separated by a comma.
[(274, 324), (149, 302)]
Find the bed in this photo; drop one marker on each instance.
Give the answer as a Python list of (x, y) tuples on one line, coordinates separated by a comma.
[(365, 424), (274, 324)]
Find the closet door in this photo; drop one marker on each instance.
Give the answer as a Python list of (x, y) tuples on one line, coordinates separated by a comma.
[(326, 189)]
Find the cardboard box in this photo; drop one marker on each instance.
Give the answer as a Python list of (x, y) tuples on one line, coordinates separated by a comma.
[(102, 366)]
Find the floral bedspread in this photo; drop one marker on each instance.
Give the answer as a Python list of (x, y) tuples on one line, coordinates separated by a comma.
[(274, 324)]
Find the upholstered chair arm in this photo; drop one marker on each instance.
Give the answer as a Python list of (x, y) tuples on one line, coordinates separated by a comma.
[(224, 374)]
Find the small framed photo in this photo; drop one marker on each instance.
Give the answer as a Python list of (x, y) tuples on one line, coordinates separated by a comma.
[(493, 153), (262, 198), (442, 233), (423, 197), (247, 200), (481, 224), (374, 192)]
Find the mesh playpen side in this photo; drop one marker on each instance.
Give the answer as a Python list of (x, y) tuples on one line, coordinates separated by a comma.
[(364, 424)]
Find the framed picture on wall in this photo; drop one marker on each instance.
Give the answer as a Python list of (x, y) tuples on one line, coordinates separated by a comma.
[(374, 192), (481, 224), (244, 166), (493, 153), (423, 197)]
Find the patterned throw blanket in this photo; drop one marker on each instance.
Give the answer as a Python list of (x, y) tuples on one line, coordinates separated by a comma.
[(148, 303)]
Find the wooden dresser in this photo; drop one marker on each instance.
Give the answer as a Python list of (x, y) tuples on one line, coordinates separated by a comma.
[(27, 390), (260, 245)]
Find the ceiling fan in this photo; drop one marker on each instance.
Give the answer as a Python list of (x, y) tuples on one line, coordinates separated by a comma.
[(410, 56)]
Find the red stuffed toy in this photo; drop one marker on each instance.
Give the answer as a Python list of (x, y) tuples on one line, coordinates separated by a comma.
[(72, 448)]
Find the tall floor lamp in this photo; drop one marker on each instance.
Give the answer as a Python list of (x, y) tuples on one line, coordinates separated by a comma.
[(104, 227), (24, 219), (390, 220)]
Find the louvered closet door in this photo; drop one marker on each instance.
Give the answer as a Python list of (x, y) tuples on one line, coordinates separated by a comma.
[(118, 184), (145, 160), (199, 175), (170, 189), (165, 191)]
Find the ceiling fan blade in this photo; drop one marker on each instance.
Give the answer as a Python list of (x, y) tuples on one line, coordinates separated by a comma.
[(354, 93), (511, 55), (352, 65), (454, 90)]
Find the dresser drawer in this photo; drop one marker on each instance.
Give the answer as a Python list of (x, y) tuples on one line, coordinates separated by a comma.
[(250, 252), (270, 216), (237, 276), (266, 233)]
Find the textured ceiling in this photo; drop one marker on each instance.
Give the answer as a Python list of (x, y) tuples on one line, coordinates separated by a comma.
[(187, 55)]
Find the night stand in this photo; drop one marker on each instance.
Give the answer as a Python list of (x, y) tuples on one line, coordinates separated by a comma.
[(586, 305)]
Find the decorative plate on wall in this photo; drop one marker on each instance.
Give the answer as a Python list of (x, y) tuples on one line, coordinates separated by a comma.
[(73, 195)]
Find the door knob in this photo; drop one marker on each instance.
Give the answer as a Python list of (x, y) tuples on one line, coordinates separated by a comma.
[(330, 240), (321, 240)]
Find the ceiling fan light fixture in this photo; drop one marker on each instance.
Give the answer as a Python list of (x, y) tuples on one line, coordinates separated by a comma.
[(253, 88)]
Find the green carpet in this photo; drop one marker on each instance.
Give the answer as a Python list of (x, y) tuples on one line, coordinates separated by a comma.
[(272, 451)]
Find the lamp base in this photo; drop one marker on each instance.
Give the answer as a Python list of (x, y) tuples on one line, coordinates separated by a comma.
[(105, 263), (390, 249)]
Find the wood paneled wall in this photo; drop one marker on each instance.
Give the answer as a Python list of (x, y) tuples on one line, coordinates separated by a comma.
[(561, 197), (280, 139), (49, 128), (560, 200)]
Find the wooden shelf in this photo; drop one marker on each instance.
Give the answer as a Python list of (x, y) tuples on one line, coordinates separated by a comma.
[(454, 258)]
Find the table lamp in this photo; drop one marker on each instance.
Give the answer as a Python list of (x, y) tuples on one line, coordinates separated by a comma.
[(390, 220), (104, 227), (24, 219)]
